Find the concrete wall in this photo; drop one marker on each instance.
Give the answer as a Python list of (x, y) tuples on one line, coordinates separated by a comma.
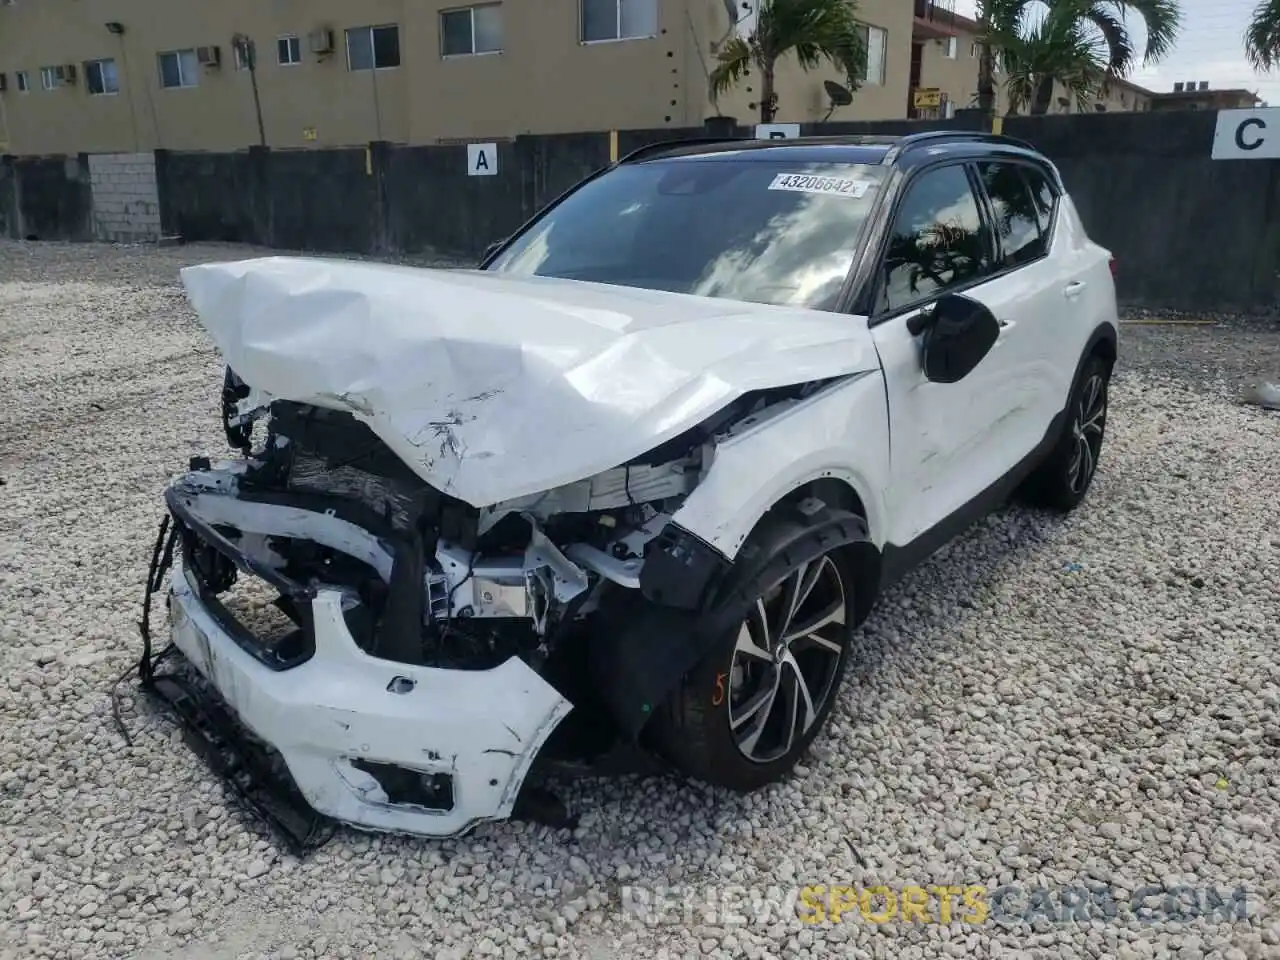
[(126, 204), (49, 198)]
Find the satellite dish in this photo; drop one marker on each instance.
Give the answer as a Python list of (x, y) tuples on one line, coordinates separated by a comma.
[(840, 96)]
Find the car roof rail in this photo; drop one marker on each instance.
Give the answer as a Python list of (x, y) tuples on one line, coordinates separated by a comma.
[(661, 146), (929, 137)]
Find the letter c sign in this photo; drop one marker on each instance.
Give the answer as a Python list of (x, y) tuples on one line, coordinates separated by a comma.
[(1254, 142), (1246, 135)]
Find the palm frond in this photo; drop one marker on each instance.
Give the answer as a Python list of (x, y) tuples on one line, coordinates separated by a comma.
[(814, 31), (734, 60), (1163, 20), (1060, 49), (1262, 38)]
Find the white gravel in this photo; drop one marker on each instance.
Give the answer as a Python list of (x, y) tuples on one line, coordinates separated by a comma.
[(1091, 701)]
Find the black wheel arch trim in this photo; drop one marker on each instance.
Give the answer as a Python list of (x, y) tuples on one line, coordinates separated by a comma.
[(645, 648)]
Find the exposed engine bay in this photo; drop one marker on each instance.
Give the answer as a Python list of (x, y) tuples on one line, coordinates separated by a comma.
[(319, 501)]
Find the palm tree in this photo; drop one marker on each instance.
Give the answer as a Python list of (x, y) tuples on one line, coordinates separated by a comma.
[(1059, 48), (1262, 38), (811, 30), (1103, 25)]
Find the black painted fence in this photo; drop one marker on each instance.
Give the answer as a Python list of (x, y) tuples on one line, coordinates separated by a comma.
[(1186, 230)]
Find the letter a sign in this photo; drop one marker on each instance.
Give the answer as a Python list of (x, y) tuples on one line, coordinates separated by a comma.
[(482, 159)]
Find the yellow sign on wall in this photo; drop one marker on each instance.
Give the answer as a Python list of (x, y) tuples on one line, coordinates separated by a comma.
[(927, 97), (308, 133)]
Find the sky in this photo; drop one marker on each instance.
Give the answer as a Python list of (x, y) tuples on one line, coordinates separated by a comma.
[(1210, 47)]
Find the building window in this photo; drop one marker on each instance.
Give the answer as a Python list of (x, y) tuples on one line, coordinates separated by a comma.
[(23, 81), (619, 20), (952, 46), (373, 48), (873, 41), (48, 77), (101, 78), (179, 68), (975, 50), (240, 56), (288, 51), (471, 30)]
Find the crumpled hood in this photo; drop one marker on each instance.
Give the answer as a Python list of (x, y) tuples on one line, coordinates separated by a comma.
[(492, 387)]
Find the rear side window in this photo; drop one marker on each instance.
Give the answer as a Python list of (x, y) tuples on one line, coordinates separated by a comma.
[(1015, 213), (937, 242), (1043, 195)]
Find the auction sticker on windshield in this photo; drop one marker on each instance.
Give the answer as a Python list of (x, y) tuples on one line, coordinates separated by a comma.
[(832, 186)]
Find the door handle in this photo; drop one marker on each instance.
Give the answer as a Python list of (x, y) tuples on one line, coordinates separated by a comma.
[(1073, 289)]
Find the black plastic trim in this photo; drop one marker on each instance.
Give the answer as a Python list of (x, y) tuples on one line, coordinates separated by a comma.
[(681, 570)]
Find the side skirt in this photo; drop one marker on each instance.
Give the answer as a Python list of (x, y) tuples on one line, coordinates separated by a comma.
[(897, 561)]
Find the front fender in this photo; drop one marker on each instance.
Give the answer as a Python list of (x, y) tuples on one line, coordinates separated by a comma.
[(841, 432)]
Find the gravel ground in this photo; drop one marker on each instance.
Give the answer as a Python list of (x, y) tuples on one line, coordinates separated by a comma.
[(1090, 702)]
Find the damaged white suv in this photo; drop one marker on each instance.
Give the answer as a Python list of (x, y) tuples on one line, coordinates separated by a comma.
[(633, 481)]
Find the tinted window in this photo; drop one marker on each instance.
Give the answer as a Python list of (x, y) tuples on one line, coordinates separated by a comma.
[(1016, 223), (1042, 195), (938, 240), (756, 230)]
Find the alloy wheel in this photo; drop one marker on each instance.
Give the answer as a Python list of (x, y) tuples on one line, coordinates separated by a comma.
[(786, 659), (1087, 428)]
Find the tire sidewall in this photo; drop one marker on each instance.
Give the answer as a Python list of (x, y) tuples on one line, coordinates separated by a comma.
[(706, 689)]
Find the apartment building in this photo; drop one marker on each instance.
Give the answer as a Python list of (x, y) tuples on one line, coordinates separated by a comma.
[(944, 73), (1197, 95), (127, 75)]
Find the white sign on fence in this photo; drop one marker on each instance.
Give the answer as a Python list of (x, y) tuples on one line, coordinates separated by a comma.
[(482, 159), (1247, 134), (777, 131)]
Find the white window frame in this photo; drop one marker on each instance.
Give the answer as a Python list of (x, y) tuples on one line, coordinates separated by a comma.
[(870, 41), (617, 25), (22, 81), (291, 41), (238, 57), (373, 50), (182, 77), (951, 49), (471, 10), (89, 65), (49, 78)]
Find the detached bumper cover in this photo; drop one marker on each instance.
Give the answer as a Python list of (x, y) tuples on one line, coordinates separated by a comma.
[(374, 743)]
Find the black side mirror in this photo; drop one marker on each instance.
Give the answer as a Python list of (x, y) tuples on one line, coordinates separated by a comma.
[(958, 333)]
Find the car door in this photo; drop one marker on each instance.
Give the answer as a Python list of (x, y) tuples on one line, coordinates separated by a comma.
[(948, 441), (1032, 294)]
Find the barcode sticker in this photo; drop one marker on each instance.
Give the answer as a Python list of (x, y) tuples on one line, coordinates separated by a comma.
[(831, 186)]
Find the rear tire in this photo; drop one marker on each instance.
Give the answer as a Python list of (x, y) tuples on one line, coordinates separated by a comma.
[(1063, 479), (749, 710)]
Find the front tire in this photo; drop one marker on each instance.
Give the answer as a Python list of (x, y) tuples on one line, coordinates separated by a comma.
[(745, 715), (1063, 479)]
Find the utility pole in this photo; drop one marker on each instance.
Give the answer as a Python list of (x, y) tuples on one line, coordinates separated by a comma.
[(247, 53)]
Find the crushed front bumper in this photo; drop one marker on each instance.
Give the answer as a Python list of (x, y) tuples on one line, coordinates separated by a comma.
[(374, 743)]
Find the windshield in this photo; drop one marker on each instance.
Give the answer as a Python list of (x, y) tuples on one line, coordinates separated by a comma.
[(763, 231)]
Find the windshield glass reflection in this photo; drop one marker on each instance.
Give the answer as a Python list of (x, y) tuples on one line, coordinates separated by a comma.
[(773, 232)]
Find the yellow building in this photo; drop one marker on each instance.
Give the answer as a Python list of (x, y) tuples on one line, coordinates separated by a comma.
[(135, 75)]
